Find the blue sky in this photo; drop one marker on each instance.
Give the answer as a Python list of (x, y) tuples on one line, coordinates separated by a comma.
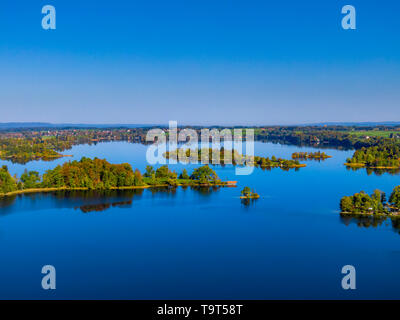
[(199, 62)]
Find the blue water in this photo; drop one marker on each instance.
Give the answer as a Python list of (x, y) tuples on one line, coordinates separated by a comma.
[(200, 244)]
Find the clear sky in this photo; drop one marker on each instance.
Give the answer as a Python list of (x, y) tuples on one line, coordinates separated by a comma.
[(199, 62)]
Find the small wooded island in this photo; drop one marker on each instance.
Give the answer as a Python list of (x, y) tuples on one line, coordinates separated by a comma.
[(310, 155), (247, 193), (233, 157), (375, 204), (98, 174)]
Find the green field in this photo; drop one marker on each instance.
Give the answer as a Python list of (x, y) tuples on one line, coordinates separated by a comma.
[(374, 133)]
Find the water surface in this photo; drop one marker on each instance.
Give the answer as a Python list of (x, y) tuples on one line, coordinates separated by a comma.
[(189, 243)]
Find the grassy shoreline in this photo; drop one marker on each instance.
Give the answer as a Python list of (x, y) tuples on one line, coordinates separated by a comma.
[(256, 196), (363, 165)]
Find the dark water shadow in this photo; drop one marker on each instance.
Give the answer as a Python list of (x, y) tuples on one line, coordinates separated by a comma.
[(371, 221), (90, 201), (6, 203), (104, 206), (248, 202), (375, 171)]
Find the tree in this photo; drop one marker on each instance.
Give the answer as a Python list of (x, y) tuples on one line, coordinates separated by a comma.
[(91, 174), (164, 172), (149, 171), (30, 179), (7, 183), (377, 204), (204, 174), (383, 197), (346, 204), (246, 191), (395, 197), (138, 181), (184, 175)]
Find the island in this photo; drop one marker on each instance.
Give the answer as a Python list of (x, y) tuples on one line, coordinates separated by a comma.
[(233, 157), (247, 193), (98, 174), (376, 204), (221, 156), (311, 155)]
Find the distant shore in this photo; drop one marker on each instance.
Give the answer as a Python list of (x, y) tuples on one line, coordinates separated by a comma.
[(47, 158)]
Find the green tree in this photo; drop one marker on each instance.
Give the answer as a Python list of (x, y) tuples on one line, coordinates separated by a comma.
[(30, 179), (184, 175), (138, 181), (246, 191), (149, 171), (377, 204), (7, 183), (163, 172), (346, 204), (395, 197), (204, 174)]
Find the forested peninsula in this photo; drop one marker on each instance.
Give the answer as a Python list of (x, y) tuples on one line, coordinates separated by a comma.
[(376, 204), (98, 174), (385, 156)]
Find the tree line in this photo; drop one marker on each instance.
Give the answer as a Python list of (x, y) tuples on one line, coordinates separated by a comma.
[(233, 157), (362, 203), (98, 174), (382, 156), (23, 145), (310, 155)]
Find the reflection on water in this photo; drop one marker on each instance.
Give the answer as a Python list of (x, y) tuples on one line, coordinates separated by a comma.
[(6, 202), (87, 201), (248, 202), (91, 200), (104, 206), (371, 221), (378, 172)]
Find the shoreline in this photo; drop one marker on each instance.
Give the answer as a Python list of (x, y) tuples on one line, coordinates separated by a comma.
[(302, 165), (370, 214), (45, 190), (251, 197), (311, 158), (363, 165), (47, 158)]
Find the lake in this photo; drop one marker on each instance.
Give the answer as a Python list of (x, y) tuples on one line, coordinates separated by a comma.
[(200, 243)]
